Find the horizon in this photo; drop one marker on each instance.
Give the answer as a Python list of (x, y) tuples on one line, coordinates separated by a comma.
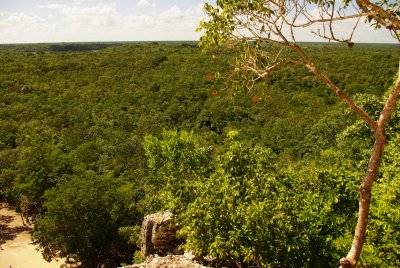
[(179, 41), (75, 21)]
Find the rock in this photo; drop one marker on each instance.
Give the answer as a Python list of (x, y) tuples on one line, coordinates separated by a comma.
[(158, 235), (142, 265), (26, 89), (173, 261)]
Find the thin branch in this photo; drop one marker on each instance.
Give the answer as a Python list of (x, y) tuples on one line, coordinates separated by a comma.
[(381, 14), (340, 18)]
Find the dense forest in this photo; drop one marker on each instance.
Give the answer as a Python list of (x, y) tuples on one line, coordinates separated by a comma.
[(93, 137)]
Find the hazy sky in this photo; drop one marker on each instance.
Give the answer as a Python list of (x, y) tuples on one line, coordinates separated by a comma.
[(33, 21)]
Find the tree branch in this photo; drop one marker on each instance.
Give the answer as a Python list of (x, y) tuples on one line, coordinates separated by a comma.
[(353, 106), (393, 22), (353, 256)]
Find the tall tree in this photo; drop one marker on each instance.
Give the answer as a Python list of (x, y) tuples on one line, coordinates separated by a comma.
[(266, 33)]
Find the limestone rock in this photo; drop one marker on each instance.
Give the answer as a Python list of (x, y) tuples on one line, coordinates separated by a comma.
[(171, 261), (142, 265), (158, 235)]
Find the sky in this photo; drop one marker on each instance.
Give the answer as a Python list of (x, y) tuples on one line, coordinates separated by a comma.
[(39, 21)]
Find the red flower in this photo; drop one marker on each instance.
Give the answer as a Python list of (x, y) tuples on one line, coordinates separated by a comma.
[(255, 99), (214, 93), (210, 76)]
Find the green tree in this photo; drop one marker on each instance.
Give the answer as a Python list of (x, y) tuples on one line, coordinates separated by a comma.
[(254, 211), (178, 165), (265, 33), (83, 214), (89, 112)]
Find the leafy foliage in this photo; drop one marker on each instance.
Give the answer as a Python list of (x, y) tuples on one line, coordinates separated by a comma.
[(82, 218), (177, 166), (98, 139)]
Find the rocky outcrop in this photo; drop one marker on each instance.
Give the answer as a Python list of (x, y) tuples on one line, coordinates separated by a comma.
[(171, 261), (158, 235)]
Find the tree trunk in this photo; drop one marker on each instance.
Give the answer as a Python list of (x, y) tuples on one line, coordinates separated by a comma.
[(352, 258)]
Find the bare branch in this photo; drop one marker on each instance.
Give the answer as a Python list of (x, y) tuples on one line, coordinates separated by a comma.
[(335, 19)]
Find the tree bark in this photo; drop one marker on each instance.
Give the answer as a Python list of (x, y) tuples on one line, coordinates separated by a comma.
[(365, 200), (352, 258)]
